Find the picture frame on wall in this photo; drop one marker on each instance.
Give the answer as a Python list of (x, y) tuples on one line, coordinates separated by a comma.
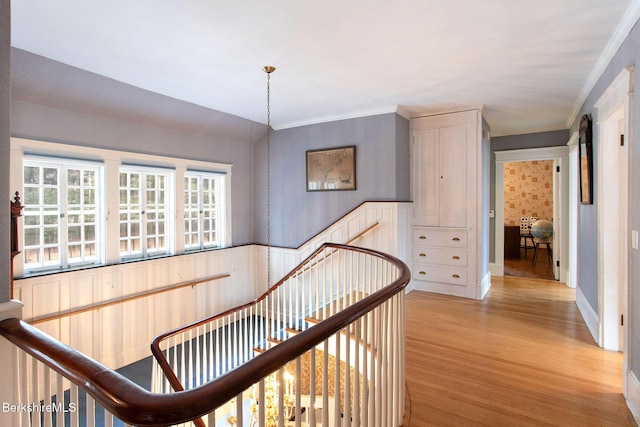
[(585, 159), (331, 169)]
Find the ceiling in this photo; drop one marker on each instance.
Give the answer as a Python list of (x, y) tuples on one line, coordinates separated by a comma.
[(529, 63)]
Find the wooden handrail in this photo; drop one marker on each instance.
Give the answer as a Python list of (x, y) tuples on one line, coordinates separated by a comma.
[(131, 297), (134, 405), (362, 233)]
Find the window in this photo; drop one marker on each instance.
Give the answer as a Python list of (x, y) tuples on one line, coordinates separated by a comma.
[(145, 201), (86, 207), (203, 210), (62, 214)]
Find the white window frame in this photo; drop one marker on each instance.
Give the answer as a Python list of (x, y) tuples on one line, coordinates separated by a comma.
[(200, 214), (147, 214), (64, 211), (111, 161)]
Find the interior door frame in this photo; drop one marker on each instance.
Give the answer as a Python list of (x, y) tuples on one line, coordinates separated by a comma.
[(560, 154), (614, 302), (574, 185)]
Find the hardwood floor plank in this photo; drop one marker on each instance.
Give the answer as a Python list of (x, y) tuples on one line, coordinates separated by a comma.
[(521, 357)]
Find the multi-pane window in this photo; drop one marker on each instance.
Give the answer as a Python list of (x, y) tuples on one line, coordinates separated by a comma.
[(61, 214), (145, 201), (203, 216), (73, 209)]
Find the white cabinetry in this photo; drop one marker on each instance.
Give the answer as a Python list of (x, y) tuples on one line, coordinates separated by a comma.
[(448, 204), (441, 167)]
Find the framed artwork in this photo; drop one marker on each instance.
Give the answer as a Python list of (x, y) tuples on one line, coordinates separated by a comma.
[(585, 157), (331, 169)]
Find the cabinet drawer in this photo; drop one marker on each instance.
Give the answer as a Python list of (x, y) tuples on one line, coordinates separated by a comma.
[(432, 273), (440, 256), (440, 237)]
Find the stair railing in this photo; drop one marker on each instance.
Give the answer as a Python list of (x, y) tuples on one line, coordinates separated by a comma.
[(342, 311)]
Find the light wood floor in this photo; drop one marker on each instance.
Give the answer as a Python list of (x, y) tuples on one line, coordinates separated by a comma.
[(521, 357)]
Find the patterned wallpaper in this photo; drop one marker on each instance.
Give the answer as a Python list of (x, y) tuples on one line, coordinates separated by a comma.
[(528, 190)]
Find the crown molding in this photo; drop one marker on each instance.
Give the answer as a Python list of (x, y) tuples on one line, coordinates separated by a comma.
[(403, 111), (622, 31), (337, 117), (427, 113)]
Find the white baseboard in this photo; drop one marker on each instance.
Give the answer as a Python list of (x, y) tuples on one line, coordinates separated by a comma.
[(589, 315), (441, 288), (496, 269), (484, 286), (471, 291), (410, 287), (633, 395)]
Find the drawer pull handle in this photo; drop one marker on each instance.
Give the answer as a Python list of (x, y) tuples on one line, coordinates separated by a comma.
[(423, 273), (423, 237), (455, 257), (456, 239), (423, 254), (456, 276)]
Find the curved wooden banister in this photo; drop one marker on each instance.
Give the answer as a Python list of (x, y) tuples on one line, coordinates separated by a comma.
[(134, 405)]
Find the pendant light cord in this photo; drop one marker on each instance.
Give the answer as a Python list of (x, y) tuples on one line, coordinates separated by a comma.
[(268, 70)]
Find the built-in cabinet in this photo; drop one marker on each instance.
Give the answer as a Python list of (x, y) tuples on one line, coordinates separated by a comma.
[(449, 224)]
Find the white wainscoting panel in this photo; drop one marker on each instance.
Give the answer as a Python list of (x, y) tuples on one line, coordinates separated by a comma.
[(120, 334)]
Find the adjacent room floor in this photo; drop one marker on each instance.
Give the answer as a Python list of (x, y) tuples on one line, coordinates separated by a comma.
[(524, 266)]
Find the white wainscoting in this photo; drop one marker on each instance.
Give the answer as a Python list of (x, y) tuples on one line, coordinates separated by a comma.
[(392, 235), (120, 334)]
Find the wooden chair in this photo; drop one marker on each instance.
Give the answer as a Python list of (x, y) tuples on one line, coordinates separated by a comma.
[(525, 233)]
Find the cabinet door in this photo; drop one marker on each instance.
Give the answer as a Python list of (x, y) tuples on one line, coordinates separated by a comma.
[(426, 177), (452, 177)]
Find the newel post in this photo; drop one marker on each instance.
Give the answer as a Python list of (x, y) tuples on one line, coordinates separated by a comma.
[(16, 212)]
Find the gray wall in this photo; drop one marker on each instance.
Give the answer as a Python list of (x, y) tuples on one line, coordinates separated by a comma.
[(627, 55), (86, 112), (403, 159), (517, 142), (5, 133), (382, 173)]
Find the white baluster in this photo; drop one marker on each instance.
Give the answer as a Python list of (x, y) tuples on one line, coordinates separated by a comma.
[(359, 343), (91, 411)]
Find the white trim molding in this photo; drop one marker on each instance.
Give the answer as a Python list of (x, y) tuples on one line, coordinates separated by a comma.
[(496, 269), (589, 315), (633, 395), (544, 153)]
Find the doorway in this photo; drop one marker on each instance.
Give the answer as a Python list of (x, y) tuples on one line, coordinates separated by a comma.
[(528, 198), (560, 156)]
